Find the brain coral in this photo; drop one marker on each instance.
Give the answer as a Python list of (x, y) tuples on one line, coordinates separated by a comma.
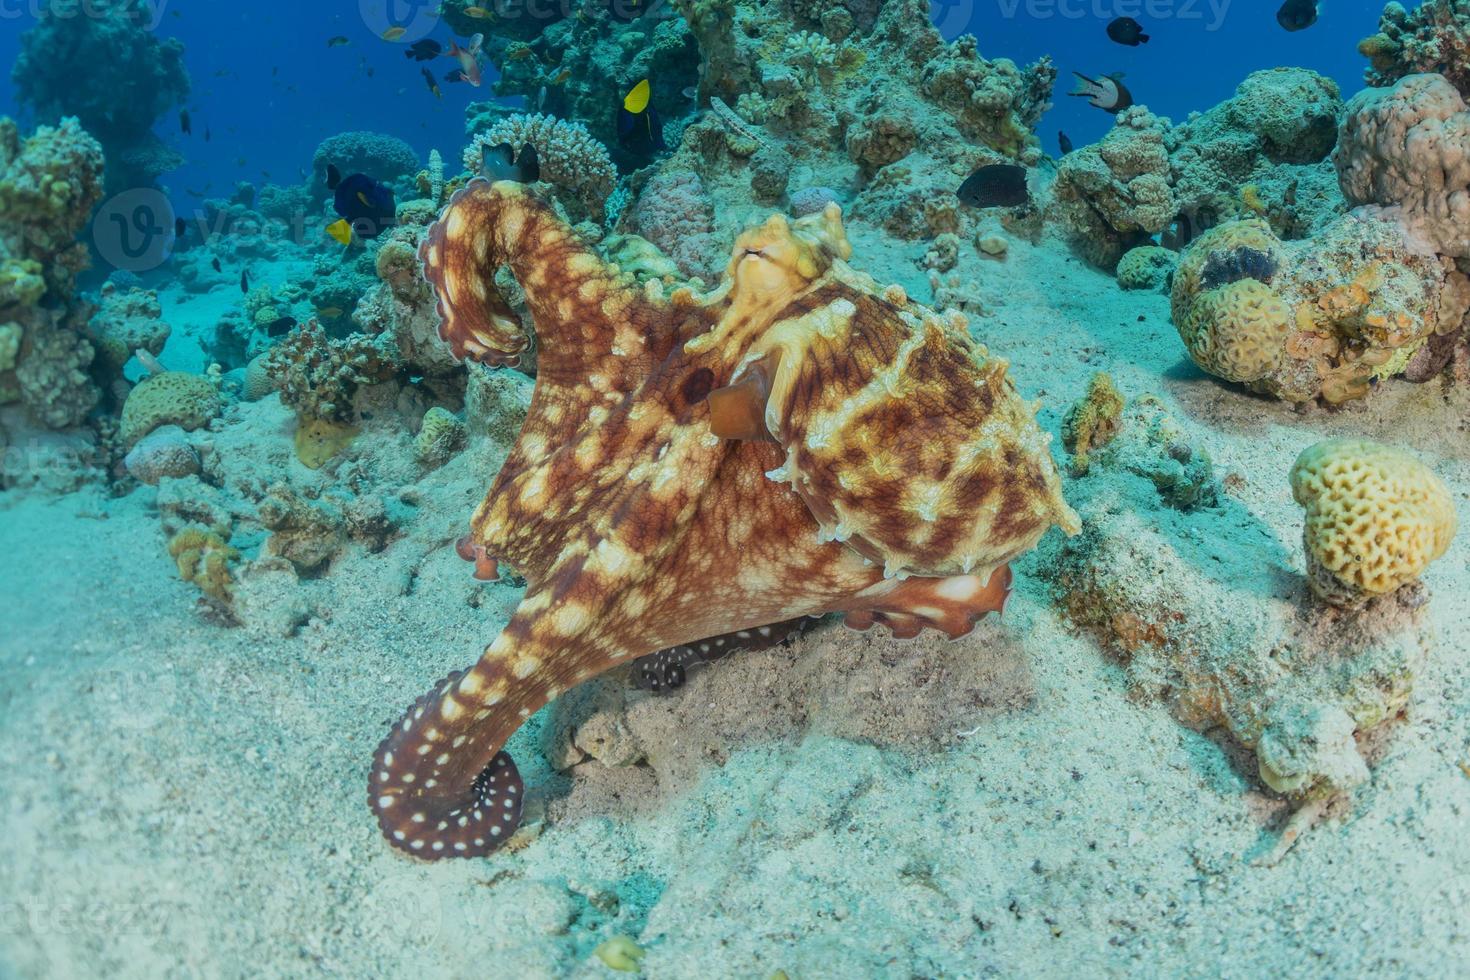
[(1408, 148), (1319, 318), (172, 398), (570, 157), (1376, 518)]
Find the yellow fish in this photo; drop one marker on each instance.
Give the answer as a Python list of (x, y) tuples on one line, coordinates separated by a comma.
[(340, 230), (562, 76), (393, 33), (329, 312), (637, 99), (479, 13)]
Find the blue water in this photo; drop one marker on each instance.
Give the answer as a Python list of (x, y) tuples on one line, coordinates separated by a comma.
[(268, 87)]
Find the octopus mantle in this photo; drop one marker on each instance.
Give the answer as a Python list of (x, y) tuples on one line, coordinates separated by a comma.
[(797, 442)]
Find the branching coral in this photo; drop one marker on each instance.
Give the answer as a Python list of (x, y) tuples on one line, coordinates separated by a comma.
[(1116, 193), (570, 157), (317, 376), (131, 79)]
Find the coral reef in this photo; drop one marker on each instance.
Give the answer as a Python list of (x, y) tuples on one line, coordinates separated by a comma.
[(131, 78), (317, 376), (383, 157), (1092, 422), (1148, 267), (49, 184), (1433, 37), (675, 213), (674, 413), (441, 436), (204, 559), (1407, 148), (164, 452), (127, 322), (1375, 518), (571, 159), (189, 401), (1149, 176), (1321, 318), (1198, 622), (567, 59)]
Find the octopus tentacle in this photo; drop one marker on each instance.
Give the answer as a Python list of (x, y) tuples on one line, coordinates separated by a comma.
[(951, 605), (588, 321), (667, 670)]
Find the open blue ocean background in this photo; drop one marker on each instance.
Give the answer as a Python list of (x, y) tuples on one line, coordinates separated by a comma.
[(269, 88)]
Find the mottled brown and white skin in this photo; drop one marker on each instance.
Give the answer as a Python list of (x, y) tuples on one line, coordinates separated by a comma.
[(797, 442)]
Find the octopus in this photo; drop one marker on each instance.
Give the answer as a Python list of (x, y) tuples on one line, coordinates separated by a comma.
[(701, 471)]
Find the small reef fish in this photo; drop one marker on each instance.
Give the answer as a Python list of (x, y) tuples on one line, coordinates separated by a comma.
[(433, 85), (425, 50), (338, 41), (278, 327), (365, 206), (999, 185), (1107, 93), (185, 123), (216, 266), (1064, 142), (469, 58), (478, 13), (329, 312), (180, 228), (1127, 31), (206, 134), (245, 281), (500, 163), (637, 117), (393, 33), (1297, 15)]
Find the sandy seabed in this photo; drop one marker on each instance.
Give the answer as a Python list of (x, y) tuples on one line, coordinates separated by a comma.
[(185, 799)]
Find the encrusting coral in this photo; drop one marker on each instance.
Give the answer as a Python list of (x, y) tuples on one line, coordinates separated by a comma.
[(1375, 518), (49, 184), (1091, 422), (747, 430)]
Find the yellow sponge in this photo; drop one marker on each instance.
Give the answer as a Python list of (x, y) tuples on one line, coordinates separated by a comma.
[(1376, 517)]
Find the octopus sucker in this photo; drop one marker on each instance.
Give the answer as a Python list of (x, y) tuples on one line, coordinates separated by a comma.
[(796, 442)]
